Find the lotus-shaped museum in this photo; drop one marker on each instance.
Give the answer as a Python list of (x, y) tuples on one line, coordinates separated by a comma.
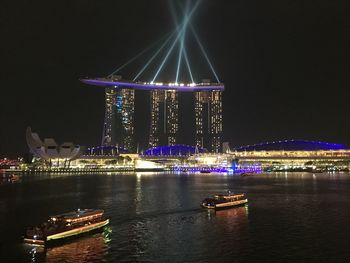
[(48, 150)]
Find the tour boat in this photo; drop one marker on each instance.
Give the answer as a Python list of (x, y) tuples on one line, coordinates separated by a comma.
[(224, 201), (63, 226)]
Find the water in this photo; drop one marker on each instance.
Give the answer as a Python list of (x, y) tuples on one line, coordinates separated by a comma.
[(291, 217)]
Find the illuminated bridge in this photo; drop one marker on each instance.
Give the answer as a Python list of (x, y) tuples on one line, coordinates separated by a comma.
[(163, 127)]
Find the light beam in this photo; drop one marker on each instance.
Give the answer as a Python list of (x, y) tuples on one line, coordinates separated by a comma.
[(204, 52), (183, 26), (181, 49), (154, 55), (188, 64), (184, 51), (135, 57)]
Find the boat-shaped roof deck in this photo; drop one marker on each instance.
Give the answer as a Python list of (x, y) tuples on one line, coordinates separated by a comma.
[(139, 85)]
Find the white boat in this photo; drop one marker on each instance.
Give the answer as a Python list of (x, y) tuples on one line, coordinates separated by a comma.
[(224, 201), (63, 226)]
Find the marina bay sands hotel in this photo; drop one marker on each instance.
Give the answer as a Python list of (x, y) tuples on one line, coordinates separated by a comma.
[(164, 122)]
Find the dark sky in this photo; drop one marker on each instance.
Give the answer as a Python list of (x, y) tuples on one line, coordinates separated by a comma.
[(285, 65)]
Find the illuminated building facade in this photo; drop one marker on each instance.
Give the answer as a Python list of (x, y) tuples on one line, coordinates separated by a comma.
[(50, 153), (208, 119), (108, 136), (295, 154), (172, 116), (164, 117), (155, 133), (164, 122), (178, 150), (118, 126)]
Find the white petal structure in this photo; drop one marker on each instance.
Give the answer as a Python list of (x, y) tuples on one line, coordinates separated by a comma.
[(49, 150)]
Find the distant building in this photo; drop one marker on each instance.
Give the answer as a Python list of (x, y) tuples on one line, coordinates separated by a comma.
[(174, 150), (208, 119), (105, 157), (50, 152), (164, 123), (294, 155), (225, 147), (164, 118), (118, 128)]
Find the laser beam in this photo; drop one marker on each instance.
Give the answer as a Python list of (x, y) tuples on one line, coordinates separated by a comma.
[(181, 48), (136, 57), (154, 55), (204, 52), (188, 64), (179, 62), (183, 26), (182, 36), (184, 51)]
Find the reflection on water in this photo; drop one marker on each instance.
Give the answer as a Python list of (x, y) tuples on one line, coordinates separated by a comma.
[(157, 217), (228, 231), (86, 249), (236, 214), (89, 249)]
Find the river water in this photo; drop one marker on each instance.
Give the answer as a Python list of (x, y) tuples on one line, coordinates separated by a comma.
[(155, 217)]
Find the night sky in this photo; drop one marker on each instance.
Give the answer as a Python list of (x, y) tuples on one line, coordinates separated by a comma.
[(285, 65)]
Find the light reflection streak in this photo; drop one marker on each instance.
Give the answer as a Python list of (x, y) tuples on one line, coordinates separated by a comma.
[(138, 193), (93, 248)]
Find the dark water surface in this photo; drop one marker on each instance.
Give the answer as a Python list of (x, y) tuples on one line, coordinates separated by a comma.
[(291, 217)]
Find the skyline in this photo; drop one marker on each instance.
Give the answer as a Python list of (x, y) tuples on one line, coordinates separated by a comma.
[(284, 68)]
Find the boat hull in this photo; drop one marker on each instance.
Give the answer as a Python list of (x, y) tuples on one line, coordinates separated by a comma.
[(68, 234), (227, 205)]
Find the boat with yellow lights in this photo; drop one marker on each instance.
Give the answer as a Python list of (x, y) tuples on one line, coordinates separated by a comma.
[(224, 201), (67, 225)]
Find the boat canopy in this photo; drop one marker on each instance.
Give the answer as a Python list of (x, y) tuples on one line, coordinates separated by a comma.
[(231, 196), (79, 215)]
